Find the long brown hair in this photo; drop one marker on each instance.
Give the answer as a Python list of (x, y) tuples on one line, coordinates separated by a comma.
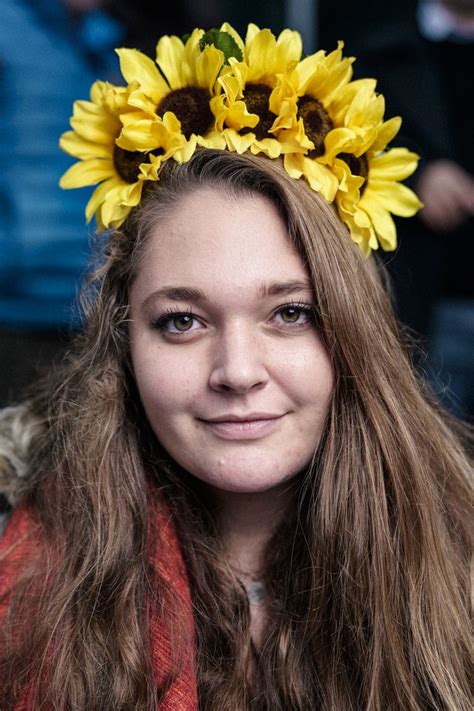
[(369, 577)]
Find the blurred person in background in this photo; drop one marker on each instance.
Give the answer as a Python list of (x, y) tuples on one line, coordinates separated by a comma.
[(142, 20), (50, 51), (447, 189), (422, 55)]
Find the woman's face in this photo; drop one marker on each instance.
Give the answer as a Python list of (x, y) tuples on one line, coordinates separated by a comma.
[(232, 372)]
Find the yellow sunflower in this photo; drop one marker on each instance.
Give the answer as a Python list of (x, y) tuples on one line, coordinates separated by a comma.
[(322, 113), (370, 191), (181, 82), (242, 110), (215, 90), (96, 124)]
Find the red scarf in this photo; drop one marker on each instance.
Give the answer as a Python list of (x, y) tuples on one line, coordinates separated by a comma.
[(18, 544)]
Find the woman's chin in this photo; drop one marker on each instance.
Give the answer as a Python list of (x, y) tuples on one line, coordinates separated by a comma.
[(240, 480)]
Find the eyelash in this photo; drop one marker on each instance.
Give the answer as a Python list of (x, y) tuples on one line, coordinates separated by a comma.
[(162, 322)]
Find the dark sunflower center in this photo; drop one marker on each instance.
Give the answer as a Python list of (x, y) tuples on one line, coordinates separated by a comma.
[(190, 105), (316, 121), (256, 97), (127, 163), (358, 166)]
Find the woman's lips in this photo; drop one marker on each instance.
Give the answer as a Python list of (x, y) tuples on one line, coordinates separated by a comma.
[(244, 429)]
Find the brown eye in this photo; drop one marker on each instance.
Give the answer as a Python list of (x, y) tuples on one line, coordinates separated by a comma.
[(290, 314), (183, 322), (295, 315), (177, 322)]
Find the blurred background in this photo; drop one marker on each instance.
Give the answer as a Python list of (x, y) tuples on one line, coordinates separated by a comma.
[(52, 50)]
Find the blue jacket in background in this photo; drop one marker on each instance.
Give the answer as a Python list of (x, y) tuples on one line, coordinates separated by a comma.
[(44, 66)]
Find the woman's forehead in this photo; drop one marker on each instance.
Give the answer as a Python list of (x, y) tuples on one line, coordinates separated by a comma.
[(213, 239)]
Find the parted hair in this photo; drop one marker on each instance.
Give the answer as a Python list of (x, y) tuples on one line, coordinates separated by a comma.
[(368, 574)]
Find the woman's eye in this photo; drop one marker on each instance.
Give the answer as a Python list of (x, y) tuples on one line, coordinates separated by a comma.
[(177, 323), (295, 314), (183, 322)]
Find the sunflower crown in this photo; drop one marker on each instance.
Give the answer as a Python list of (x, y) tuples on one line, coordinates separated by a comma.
[(214, 89)]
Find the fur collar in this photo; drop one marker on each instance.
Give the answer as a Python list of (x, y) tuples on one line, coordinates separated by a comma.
[(18, 427)]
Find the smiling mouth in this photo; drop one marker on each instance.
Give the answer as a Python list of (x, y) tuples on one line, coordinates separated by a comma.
[(244, 429)]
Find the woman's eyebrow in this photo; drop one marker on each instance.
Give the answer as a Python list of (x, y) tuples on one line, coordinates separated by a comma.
[(188, 293), (176, 293), (278, 288)]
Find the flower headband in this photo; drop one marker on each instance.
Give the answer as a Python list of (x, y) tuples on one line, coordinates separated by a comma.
[(212, 89)]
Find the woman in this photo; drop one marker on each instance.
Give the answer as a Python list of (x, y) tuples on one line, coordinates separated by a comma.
[(238, 496)]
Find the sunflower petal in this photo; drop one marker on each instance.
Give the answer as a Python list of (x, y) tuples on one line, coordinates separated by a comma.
[(395, 164), (238, 117), (333, 73), (112, 213), (186, 151), (320, 178), (383, 224), (261, 55), (192, 51), (143, 135), (293, 163), (289, 48), (236, 142), (395, 197), (252, 32), (213, 139), (208, 66), (386, 133), (88, 110), (366, 239), (339, 140), (139, 100), (234, 83), (136, 66), (87, 172), (130, 194), (169, 56), (72, 143), (366, 108), (269, 146), (362, 219), (98, 91), (115, 208), (309, 69), (293, 140), (96, 132), (99, 195)]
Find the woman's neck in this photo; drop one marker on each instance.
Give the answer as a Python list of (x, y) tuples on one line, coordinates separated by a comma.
[(247, 523)]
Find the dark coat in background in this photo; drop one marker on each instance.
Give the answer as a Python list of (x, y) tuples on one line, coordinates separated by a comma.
[(427, 84)]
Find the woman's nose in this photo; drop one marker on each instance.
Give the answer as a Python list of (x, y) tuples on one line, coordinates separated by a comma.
[(238, 361)]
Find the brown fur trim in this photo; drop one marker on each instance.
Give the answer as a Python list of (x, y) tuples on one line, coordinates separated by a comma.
[(18, 426)]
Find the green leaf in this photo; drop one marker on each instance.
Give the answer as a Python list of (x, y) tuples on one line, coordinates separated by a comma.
[(223, 41), (185, 37)]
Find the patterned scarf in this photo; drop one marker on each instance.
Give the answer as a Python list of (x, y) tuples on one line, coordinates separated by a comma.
[(17, 547)]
